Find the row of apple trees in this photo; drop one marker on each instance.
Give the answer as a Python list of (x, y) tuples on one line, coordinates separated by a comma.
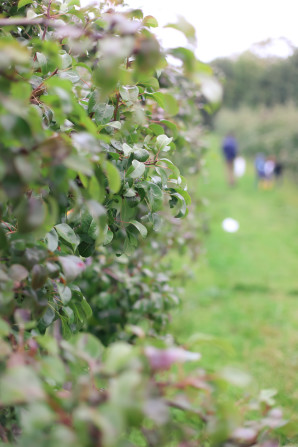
[(91, 115)]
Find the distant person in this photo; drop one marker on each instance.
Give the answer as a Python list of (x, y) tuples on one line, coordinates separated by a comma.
[(260, 161), (278, 171), (230, 150), (269, 172)]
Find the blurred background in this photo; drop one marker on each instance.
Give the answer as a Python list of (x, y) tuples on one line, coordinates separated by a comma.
[(252, 49), (244, 287)]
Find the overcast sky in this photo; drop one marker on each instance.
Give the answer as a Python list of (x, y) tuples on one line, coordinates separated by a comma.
[(226, 27)]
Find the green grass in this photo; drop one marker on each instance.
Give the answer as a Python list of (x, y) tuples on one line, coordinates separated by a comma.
[(244, 289)]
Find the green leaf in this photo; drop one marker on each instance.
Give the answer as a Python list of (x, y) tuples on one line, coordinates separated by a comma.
[(150, 21), (113, 176), (4, 328), (170, 125), (127, 150), (187, 57), (96, 190), (66, 60), (39, 276), (171, 166), (80, 306), (17, 272), (64, 293), (52, 368), (117, 357), (162, 141), (23, 3), (51, 239), (103, 113), (115, 124), (154, 196), (156, 129), (87, 225), (178, 202), (182, 192), (87, 344), (3, 240), (20, 384), (157, 222), (108, 237), (140, 227), (185, 27), (86, 308), (163, 174), (141, 155), (148, 82), (67, 234), (47, 319), (70, 75), (66, 331), (42, 62), (80, 164), (129, 93), (136, 170), (166, 102)]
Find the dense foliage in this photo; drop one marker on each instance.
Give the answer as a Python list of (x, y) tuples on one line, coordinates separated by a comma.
[(86, 175)]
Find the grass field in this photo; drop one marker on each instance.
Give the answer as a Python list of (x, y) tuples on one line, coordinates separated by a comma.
[(244, 290)]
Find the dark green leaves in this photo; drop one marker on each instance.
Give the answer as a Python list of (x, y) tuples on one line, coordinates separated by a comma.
[(136, 169), (154, 195), (141, 155), (103, 113), (51, 239), (141, 228), (67, 235), (39, 276)]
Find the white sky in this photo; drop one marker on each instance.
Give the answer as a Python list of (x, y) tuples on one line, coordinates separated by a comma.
[(224, 27)]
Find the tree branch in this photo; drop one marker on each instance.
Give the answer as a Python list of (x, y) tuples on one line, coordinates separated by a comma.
[(182, 408), (48, 16), (23, 21), (117, 106)]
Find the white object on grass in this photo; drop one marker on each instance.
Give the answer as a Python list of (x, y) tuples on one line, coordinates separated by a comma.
[(239, 166), (230, 225)]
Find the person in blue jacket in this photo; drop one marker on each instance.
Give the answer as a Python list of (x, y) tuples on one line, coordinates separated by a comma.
[(230, 150)]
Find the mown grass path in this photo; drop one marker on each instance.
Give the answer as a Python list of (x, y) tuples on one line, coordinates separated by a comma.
[(244, 290)]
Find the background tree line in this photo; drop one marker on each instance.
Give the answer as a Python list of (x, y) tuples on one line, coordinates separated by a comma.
[(253, 81), (260, 105)]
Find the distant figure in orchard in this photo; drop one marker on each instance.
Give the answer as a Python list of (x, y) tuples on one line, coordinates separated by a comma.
[(230, 150), (260, 161), (265, 171)]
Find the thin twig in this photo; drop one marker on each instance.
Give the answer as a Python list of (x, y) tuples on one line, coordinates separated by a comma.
[(117, 106), (48, 16), (181, 407), (39, 90)]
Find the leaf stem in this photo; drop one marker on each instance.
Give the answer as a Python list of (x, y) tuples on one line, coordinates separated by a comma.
[(117, 106)]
